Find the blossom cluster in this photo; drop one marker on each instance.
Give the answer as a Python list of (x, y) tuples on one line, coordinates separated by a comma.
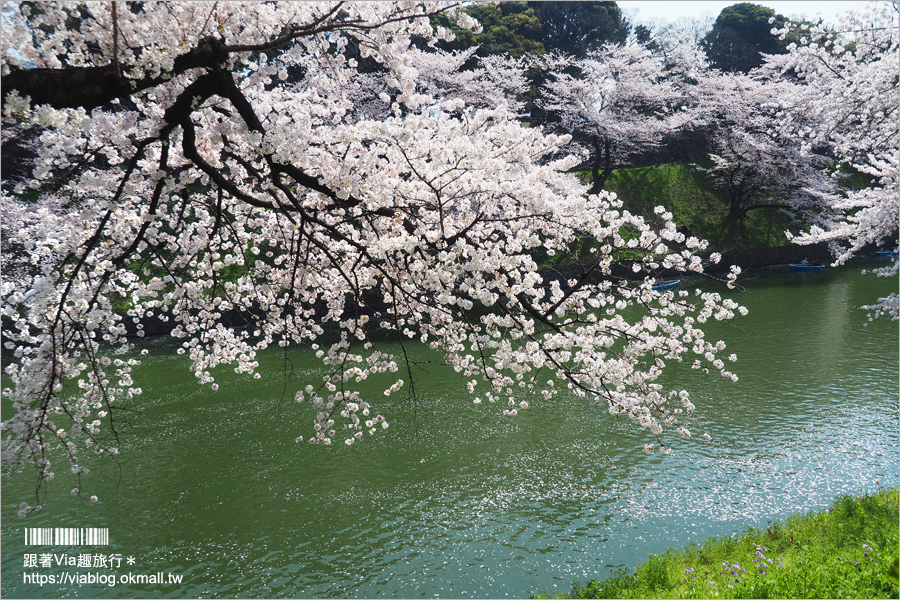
[(846, 102)]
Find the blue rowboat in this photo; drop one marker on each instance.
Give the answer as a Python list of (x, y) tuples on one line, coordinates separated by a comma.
[(886, 253), (666, 285), (806, 267)]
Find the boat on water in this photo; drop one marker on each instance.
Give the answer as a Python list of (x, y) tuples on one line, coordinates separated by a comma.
[(805, 267), (667, 285), (886, 253)]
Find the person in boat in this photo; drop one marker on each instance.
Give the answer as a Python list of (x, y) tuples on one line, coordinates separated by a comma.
[(815, 262), (804, 262)]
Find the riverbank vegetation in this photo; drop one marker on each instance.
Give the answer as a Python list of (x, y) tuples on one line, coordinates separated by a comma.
[(686, 192), (847, 551)]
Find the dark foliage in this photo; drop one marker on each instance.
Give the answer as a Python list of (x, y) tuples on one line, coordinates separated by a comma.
[(740, 35)]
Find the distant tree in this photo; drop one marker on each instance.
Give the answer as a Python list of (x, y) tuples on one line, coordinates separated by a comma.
[(505, 29), (644, 36), (578, 27), (510, 28), (752, 167), (685, 65), (683, 32), (616, 102), (740, 35)]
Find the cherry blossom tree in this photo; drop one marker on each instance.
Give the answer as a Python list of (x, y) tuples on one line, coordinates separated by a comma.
[(204, 164), (491, 82), (618, 100), (753, 166), (847, 102)]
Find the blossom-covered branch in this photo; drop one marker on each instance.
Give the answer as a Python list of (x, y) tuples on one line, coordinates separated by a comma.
[(252, 189), (848, 103)]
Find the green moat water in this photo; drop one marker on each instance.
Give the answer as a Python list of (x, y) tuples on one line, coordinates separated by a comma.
[(455, 500)]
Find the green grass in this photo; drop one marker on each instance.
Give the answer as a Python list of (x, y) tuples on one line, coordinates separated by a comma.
[(687, 193), (849, 551)]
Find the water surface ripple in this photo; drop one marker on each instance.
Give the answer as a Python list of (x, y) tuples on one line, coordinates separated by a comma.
[(455, 501)]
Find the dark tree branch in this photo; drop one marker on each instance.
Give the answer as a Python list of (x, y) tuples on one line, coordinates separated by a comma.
[(90, 87)]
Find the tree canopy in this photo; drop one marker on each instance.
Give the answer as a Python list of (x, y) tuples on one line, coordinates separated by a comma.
[(577, 27), (231, 171), (740, 34), (517, 28), (511, 28)]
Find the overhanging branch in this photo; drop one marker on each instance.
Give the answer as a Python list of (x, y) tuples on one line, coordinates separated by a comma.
[(90, 87)]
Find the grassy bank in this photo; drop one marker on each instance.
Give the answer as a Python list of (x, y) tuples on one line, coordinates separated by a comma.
[(688, 194), (848, 551)]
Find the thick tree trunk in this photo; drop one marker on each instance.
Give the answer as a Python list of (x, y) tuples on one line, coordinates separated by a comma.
[(735, 197), (601, 168)]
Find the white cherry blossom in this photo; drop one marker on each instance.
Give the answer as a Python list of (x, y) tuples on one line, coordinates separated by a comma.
[(847, 103), (221, 171)]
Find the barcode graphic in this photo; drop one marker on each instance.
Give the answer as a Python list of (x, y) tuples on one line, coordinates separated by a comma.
[(67, 536)]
